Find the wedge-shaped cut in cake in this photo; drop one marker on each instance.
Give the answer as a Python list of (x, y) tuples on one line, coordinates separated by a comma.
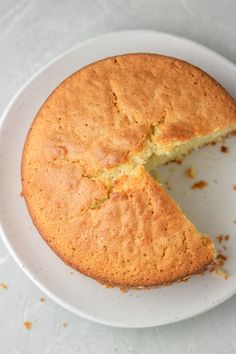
[(86, 160)]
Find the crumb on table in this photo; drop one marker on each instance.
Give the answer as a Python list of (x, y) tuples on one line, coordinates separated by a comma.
[(200, 185), (64, 324), (42, 299), (234, 187), (27, 325), (3, 286)]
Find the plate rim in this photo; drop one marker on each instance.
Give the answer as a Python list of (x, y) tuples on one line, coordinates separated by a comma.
[(6, 239)]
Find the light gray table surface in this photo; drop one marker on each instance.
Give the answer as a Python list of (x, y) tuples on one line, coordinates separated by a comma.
[(31, 34)]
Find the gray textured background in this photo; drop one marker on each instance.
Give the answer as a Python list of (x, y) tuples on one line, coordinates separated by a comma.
[(32, 33)]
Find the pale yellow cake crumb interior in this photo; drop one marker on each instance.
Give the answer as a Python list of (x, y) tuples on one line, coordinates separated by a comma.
[(154, 155)]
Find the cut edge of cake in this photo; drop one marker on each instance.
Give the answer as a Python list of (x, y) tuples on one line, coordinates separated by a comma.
[(154, 154)]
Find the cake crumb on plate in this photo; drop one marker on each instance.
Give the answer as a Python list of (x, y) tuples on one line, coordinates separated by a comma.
[(211, 143), (179, 161), (222, 238), (167, 184), (218, 267), (224, 149), (200, 185), (124, 290), (192, 172)]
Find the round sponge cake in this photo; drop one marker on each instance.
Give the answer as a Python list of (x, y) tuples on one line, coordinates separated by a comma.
[(86, 159)]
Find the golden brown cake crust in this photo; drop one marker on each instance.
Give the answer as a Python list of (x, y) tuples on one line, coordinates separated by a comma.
[(127, 232)]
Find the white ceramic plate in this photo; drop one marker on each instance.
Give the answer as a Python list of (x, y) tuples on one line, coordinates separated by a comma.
[(211, 209)]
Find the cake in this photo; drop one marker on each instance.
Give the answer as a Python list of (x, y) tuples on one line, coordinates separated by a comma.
[(86, 163)]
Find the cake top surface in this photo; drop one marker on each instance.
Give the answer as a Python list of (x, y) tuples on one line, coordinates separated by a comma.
[(123, 102)]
